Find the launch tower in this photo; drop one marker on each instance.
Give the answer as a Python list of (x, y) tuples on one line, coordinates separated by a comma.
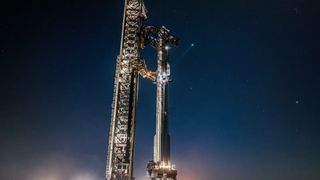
[(129, 65)]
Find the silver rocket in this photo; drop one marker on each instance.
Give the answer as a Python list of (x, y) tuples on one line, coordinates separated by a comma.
[(160, 168), (162, 137)]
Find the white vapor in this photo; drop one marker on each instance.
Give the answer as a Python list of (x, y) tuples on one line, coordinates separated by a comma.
[(53, 167)]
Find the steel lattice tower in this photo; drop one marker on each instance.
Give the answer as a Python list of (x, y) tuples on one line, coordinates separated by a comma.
[(122, 127)]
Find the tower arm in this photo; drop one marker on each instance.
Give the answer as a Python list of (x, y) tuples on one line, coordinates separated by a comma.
[(141, 67)]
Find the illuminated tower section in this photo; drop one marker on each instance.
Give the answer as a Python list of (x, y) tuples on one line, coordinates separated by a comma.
[(129, 66)]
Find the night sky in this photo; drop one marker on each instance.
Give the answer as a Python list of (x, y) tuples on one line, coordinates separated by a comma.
[(244, 101)]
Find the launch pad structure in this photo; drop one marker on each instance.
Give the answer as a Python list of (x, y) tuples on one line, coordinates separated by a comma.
[(129, 66)]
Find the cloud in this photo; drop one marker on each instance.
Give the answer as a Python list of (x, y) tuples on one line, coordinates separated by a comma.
[(84, 176), (51, 166)]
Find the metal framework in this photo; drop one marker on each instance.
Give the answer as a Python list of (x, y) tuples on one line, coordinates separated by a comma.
[(122, 127), (129, 66)]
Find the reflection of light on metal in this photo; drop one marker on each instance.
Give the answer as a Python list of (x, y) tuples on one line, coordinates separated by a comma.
[(168, 165), (150, 75), (164, 77), (161, 170)]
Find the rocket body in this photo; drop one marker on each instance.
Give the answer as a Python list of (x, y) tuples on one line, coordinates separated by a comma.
[(160, 168), (162, 137)]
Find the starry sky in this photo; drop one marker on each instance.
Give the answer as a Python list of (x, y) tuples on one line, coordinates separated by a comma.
[(243, 104)]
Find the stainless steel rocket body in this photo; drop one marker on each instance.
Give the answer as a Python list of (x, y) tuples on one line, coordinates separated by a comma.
[(160, 168), (162, 138)]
